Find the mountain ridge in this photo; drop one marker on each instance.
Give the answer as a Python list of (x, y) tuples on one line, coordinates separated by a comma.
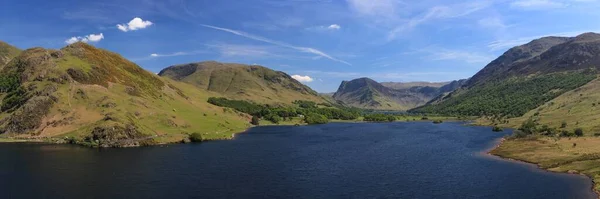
[(243, 82), (538, 71), (369, 94)]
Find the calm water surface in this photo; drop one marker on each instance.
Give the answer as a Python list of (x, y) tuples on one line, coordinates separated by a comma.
[(387, 160)]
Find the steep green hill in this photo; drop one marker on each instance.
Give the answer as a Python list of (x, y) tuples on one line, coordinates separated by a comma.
[(97, 97), (577, 108), (7, 52), (524, 78), (369, 94), (243, 82)]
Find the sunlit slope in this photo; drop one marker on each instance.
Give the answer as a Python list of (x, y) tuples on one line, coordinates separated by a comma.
[(578, 108), (524, 78), (7, 52), (244, 82), (100, 98)]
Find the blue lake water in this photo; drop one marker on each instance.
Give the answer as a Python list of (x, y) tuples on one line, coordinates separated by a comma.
[(337, 160)]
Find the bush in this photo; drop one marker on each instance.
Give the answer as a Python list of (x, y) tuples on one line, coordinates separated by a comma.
[(519, 134), (195, 137), (529, 127), (379, 118), (565, 133), (255, 121), (313, 118), (497, 129), (273, 118), (563, 125), (578, 132)]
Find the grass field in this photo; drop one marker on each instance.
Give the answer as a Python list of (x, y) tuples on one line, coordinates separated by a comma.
[(572, 155)]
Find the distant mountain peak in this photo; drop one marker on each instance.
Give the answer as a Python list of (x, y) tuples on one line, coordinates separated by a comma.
[(370, 94)]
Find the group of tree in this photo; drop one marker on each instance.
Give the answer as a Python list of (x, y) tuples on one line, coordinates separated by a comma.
[(531, 127), (309, 110), (508, 98), (380, 117), (15, 96)]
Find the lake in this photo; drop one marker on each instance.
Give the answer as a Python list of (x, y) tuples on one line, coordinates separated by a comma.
[(337, 160)]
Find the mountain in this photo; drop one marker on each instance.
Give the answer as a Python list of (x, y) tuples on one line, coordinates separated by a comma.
[(369, 94), (92, 96), (525, 77), (7, 52), (407, 85), (243, 82)]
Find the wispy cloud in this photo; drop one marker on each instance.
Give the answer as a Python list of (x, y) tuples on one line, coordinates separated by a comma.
[(509, 43), (247, 51), (537, 4), (377, 8), (469, 57), (332, 27), (175, 54), (439, 12), (278, 43)]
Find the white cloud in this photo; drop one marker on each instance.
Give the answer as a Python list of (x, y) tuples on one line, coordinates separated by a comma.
[(334, 27), (87, 38), (177, 54), (135, 24), (278, 43), (72, 40), (537, 4), (301, 78)]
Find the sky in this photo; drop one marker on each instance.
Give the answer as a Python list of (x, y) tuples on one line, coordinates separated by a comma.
[(318, 42)]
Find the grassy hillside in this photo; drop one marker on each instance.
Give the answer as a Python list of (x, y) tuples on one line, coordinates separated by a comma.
[(577, 108), (96, 97), (243, 82), (524, 78), (509, 98), (7, 52)]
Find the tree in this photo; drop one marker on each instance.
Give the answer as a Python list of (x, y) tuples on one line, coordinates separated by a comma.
[(519, 134), (497, 129), (528, 127), (255, 120), (314, 118), (195, 137), (563, 125), (578, 132)]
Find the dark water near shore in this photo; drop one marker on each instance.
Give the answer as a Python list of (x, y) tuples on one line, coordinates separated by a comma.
[(387, 160)]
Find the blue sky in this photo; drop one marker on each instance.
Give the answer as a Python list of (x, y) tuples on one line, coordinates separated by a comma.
[(321, 42)]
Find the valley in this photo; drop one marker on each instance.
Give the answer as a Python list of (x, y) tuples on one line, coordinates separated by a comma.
[(88, 96)]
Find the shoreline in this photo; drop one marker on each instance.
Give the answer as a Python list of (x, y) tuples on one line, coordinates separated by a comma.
[(488, 153)]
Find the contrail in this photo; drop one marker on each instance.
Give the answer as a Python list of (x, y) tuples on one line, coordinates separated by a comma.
[(259, 38)]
